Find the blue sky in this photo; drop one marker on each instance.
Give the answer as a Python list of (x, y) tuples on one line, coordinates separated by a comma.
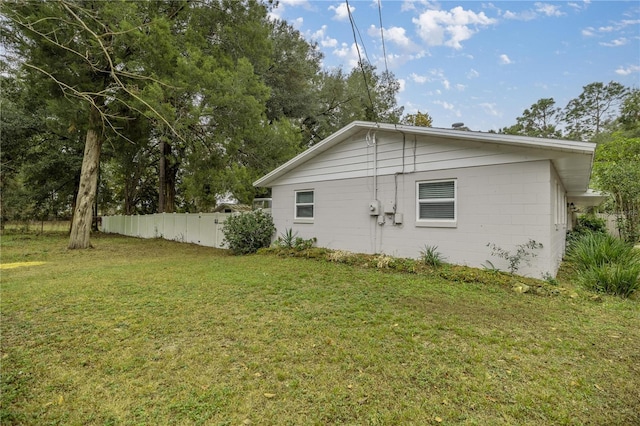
[(479, 62)]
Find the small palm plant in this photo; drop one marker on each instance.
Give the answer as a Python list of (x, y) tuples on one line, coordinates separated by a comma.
[(431, 256)]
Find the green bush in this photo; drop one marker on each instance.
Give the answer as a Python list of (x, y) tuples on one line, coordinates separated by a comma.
[(586, 224), (615, 278), (247, 232), (524, 252), (604, 263), (595, 249), (431, 256), (290, 241)]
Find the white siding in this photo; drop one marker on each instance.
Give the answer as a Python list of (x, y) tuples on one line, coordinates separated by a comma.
[(354, 157), (506, 204)]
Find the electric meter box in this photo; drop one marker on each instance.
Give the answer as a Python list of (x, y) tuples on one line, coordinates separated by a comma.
[(374, 208)]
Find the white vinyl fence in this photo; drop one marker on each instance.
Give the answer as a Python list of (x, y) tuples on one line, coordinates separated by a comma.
[(204, 229)]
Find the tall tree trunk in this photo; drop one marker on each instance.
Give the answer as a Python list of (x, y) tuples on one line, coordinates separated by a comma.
[(81, 222), (167, 170), (162, 174)]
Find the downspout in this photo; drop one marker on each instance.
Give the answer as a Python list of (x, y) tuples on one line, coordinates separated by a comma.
[(375, 168), (371, 141)]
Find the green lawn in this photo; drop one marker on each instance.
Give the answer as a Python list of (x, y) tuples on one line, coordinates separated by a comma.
[(156, 332)]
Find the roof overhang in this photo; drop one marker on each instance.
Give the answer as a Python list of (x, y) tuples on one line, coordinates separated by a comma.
[(572, 159), (586, 199)]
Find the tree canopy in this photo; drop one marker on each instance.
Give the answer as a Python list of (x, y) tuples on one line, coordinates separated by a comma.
[(165, 105)]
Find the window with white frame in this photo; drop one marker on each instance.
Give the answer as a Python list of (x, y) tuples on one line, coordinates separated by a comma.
[(304, 205), (561, 205), (436, 201)]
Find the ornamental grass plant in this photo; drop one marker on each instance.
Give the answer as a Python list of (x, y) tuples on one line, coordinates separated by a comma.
[(605, 264)]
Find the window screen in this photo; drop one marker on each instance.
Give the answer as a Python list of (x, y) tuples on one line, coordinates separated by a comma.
[(437, 200), (304, 204)]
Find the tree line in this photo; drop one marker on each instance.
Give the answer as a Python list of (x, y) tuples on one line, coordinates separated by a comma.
[(609, 115), (171, 105), (162, 105)]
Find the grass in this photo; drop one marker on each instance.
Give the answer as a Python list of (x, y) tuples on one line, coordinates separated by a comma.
[(157, 332)]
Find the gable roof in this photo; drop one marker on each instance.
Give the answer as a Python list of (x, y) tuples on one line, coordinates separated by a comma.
[(572, 159)]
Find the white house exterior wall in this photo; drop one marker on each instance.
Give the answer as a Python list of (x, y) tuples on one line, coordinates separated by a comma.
[(559, 223), (505, 204)]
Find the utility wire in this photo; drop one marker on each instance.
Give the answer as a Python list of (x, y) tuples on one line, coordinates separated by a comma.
[(384, 50), (360, 62)]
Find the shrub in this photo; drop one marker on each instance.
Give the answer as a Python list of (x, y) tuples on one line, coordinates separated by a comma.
[(604, 263), (286, 239), (594, 249), (431, 256), (247, 232), (523, 253), (588, 223), (620, 279), (290, 241)]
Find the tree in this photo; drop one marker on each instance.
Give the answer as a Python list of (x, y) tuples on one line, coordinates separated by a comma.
[(629, 119), (418, 119), (617, 171), (85, 50), (540, 120), (293, 74), (40, 157), (361, 95), (586, 115)]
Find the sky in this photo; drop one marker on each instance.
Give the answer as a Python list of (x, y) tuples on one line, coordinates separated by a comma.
[(481, 63)]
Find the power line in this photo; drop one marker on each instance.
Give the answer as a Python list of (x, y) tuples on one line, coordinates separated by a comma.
[(384, 50), (360, 62)]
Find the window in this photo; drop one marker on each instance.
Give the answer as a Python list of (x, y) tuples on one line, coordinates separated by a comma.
[(304, 205), (561, 206), (436, 202)]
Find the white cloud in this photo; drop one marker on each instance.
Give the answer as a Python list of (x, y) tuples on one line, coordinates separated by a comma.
[(473, 74), (341, 11), (321, 37), (450, 28), (616, 43), (629, 70), (446, 105), (460, 87), (504, 60), (398, 35), (446, 84), (614, 27), (545, 9), (420, 79), (403, 84), (407, 5), (295, 3), (297, 23), (349, 54), (277, 12), (526, 15), (548, 9), (578, 6), (490, 109)]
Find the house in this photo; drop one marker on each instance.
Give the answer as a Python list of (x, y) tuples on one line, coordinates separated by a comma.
[(231, 208), (393, 189)]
